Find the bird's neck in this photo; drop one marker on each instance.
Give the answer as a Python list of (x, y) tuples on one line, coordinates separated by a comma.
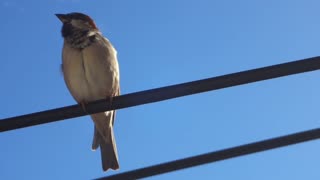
[(78, 38)]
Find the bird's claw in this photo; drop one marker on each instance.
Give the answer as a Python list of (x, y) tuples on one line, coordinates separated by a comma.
[(83, 106)]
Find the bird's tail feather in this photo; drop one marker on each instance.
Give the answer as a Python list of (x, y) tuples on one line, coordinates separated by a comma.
[(104, 137)]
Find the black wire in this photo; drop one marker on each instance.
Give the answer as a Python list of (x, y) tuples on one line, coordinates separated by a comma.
[(163, 93), (217, 155)]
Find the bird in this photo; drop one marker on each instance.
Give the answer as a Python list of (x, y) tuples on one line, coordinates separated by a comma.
[(91, 72)]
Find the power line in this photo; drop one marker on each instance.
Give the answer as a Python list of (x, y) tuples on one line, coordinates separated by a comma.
[(164, 93), (217, 155)]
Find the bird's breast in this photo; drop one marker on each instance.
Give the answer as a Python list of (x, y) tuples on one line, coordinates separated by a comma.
[(91, 73)]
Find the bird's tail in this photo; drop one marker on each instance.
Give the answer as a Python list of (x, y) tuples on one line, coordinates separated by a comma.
[(103, 137)]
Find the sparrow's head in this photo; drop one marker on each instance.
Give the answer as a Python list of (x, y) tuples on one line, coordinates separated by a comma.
[(77, 28), (77, 20)]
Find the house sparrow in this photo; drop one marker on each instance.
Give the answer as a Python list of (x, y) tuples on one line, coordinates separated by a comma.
[(91, 72)]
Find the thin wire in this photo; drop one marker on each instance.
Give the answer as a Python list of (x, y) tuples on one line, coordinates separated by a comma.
[(217, 155), (164, 93)]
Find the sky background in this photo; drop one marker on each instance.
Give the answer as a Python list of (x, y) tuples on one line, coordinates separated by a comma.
[(162, 43)]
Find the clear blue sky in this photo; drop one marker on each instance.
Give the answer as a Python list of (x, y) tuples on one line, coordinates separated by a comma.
[(162, 43)]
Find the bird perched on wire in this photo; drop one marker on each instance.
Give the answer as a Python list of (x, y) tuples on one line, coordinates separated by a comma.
[(91, 72)]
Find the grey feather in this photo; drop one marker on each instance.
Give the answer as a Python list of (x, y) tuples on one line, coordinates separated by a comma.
[(104, 138)]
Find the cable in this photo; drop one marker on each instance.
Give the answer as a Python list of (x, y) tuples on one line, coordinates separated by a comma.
[(217, 155), (164, 93)]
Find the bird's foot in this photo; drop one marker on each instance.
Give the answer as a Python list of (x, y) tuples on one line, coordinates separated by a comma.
[(83, 106), (110, 100)]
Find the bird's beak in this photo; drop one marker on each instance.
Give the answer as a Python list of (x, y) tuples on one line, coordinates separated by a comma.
[(63, 18)]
